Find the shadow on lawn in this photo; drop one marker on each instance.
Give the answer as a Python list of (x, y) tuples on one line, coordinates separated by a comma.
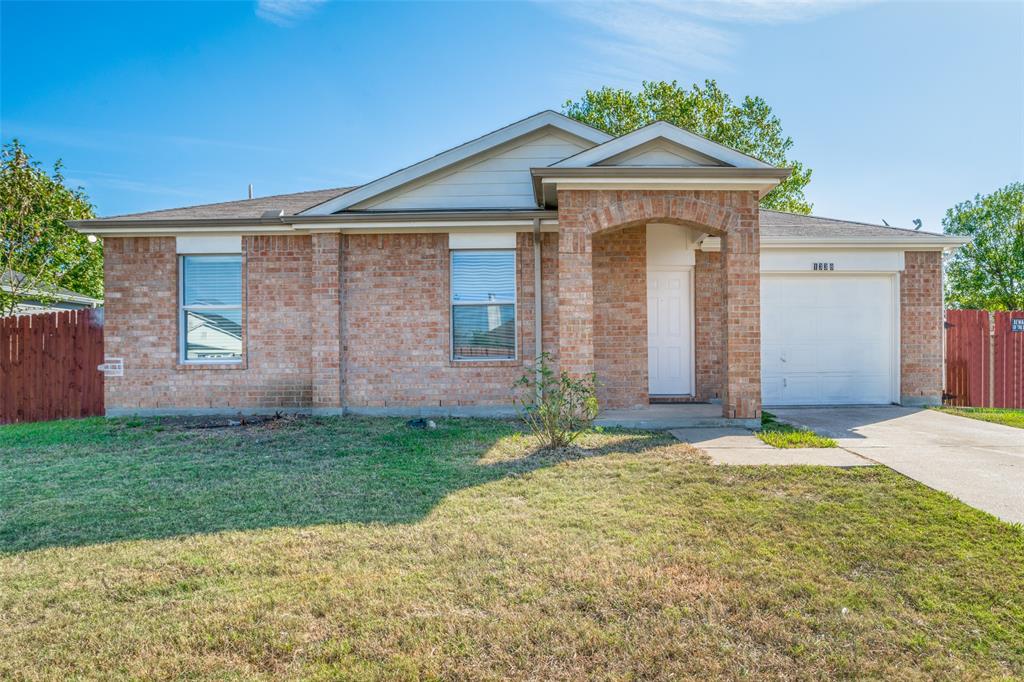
[(94, 481)]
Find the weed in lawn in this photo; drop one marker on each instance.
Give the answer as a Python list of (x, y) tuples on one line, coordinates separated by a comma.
[(781, 435)]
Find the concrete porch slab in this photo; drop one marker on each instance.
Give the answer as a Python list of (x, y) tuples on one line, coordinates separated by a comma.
[(665, 417)]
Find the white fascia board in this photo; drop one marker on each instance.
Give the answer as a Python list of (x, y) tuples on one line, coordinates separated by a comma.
[(176, 230), (351, 227), (663, 130), (457, 154), (762, 185)]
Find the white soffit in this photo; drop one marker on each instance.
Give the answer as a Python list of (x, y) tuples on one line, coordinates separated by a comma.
[(218, 244), (482, 240), (457, 155), (664, 133)]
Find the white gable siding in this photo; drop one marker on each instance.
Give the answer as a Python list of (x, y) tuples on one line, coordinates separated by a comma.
[(501, 179), (661, 153)]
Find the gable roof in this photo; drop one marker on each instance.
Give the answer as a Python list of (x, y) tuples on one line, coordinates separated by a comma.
[(669, 134), (775, 225), (461, 153)]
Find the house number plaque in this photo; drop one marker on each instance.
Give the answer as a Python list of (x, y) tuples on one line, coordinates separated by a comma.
[(824, 266)]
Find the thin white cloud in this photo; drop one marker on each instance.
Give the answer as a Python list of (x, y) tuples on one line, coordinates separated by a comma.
[(120, 139), (662, 38), (285, 13), (90, 179)]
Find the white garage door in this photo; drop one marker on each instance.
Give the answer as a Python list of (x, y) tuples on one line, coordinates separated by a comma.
[(827, 340)]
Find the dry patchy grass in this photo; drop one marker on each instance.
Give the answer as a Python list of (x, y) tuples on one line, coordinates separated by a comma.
[(360, 549)]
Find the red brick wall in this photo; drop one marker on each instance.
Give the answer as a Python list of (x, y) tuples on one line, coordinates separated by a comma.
[(620, 316), (921, 328), (393, 311), (709, 325), (141, 326), (396, 324)]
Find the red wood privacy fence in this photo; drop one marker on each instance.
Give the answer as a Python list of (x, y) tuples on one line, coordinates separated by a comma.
[(984, 358), (48, 366)]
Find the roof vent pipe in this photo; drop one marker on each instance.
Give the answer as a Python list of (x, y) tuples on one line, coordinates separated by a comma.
[(250, 190)]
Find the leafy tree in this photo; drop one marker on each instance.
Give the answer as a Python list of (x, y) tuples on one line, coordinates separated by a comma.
[(749, 126), (988, 273), (38, 251)]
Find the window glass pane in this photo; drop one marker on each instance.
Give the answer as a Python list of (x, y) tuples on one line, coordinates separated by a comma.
[(212, 280), (483, 276), (213, 335), (484, 331)]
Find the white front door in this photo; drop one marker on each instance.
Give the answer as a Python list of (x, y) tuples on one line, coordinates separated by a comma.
[(669, 331)]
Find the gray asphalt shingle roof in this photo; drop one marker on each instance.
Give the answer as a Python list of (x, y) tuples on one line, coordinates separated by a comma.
[(243, 208), (773, 223), (780, 224)]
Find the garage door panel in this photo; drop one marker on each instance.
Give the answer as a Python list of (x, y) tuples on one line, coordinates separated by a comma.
[(827, 339)]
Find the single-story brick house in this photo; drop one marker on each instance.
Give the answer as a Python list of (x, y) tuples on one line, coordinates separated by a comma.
[(644, 258)]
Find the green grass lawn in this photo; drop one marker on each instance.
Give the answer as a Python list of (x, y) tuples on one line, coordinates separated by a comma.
[(998, 415), (350, 548), (781, 435)]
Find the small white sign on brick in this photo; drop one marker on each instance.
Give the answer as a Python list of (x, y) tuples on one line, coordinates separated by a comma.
[(112, 367)]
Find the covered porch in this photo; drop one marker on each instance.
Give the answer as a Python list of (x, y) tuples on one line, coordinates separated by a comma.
[(656, 317)]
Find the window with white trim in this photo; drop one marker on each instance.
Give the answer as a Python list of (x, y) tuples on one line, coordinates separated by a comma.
[(210, 319), (483, 286)]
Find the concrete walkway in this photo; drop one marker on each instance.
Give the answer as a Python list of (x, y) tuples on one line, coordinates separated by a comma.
[(980, 463), (741, 446)]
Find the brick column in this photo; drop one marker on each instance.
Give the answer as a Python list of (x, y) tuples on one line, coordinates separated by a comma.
[(741, 272), (575, 288), (326, 322)]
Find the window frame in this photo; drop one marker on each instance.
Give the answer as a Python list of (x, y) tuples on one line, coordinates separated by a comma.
[(452, 303), (184, 309)]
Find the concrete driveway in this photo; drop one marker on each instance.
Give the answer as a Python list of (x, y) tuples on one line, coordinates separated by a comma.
[(980, 463)]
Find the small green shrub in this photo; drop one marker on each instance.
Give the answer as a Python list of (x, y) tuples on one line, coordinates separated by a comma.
[(781, 435), (556, 407)]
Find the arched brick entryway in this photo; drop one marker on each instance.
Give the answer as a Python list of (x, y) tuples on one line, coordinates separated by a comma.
[(584, 214)]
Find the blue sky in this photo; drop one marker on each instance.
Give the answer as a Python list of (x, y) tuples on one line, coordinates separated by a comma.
[(901, 109)]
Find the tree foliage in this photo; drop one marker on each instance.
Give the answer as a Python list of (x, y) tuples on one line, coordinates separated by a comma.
[(38, 251), (988, 273), (749, 126)]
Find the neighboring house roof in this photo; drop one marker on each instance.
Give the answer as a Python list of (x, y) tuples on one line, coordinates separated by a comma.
[(9, 281)]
